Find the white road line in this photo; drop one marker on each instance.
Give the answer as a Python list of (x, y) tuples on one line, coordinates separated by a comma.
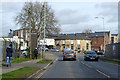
[(95, 69), (103, 73)]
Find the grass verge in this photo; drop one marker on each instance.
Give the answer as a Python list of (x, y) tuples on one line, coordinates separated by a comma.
[(19, 60), (110, 60), (44, 61), (20, 73)]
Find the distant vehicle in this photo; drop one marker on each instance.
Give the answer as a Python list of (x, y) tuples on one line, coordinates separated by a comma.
[(54, 49), (91, 55), (24, 53), (100, 53), (42, 48), (69, 54)]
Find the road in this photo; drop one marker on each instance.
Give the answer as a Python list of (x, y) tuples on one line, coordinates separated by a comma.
[(81, 69)]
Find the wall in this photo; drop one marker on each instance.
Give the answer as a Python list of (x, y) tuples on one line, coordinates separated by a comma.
[(113, 51)]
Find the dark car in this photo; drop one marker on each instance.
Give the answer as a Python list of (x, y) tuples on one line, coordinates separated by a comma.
[(91, 55), (54, 49), (100, 53), (69, 54)]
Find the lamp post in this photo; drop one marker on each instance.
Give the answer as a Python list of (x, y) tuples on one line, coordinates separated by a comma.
[(10, 35), (103, 29), (44, 25), (29, 14)]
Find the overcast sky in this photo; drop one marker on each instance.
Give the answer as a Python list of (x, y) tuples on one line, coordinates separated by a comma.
[(72, 16)]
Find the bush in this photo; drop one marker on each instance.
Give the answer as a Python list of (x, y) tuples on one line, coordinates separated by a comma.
[(84, 52)]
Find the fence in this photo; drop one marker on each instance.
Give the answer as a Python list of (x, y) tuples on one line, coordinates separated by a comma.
[(113, 51), (3, 45)]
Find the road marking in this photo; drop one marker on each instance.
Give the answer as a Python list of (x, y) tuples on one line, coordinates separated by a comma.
[(85, 64), (103, 73), (95, 69)]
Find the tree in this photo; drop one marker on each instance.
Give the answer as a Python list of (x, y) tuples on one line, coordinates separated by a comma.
[(32, 15), (87, 32)]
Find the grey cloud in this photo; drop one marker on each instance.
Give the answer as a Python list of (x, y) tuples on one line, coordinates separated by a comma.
[(109, 9), (67, 12), (80, 28), (11, 6), (113, 19), (71, 17)]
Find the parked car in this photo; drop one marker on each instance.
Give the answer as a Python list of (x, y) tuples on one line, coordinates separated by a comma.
[(54, 49), (100, 53), (24, 53), (46, 49), (69, 54), (91, 55)]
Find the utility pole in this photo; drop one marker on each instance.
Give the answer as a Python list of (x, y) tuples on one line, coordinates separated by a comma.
[(30, 32), (44, 25)]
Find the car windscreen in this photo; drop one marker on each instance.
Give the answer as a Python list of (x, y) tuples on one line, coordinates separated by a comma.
[(71, 52), (91, 53)]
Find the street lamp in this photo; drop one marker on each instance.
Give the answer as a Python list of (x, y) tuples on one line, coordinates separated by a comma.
[(10, 35), (103, 28), (44, 24)]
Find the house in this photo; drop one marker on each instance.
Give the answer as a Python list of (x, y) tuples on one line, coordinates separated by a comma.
[(73, 41), (114, 38), (22, 34), (100, 39)]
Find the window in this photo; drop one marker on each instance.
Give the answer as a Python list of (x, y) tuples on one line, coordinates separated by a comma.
[(78, 41), (78, 46), (87, 46), (67, 45), (71, 46), (72, 41), (63, 41)]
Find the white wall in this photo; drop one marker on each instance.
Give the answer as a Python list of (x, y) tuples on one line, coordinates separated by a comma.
[(48, 42)]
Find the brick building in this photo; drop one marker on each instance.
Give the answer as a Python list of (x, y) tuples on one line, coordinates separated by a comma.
[(98, 38)]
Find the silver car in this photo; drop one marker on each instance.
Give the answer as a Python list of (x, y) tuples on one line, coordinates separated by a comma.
[(69, 54)]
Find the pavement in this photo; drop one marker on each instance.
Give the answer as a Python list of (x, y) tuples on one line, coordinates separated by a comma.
[(30, 63)]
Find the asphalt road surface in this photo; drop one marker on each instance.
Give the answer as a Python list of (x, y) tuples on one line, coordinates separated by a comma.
[(81, 69)]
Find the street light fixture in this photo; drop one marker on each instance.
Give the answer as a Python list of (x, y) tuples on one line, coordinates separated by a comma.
[(103, 28), (10, 35)]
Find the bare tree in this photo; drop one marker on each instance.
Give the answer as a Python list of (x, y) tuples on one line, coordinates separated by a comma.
[(87, 32), (32, 15)]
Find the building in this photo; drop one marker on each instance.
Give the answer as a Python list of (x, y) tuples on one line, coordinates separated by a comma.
[(73, 41), (114, 38), (49, 40), (98, 38), (22, 34)]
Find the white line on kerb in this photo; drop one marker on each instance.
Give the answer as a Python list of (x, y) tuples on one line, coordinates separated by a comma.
[(103, 73)]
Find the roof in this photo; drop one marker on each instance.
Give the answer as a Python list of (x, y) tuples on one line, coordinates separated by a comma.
[(99, 34), (114, 34), (79, 36)]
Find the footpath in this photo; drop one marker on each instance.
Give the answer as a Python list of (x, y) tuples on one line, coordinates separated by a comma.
[(30, 63)]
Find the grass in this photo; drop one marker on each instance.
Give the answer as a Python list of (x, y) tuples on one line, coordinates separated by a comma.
[(110, 60), (44, 61), (19, 60), (20, 73)]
